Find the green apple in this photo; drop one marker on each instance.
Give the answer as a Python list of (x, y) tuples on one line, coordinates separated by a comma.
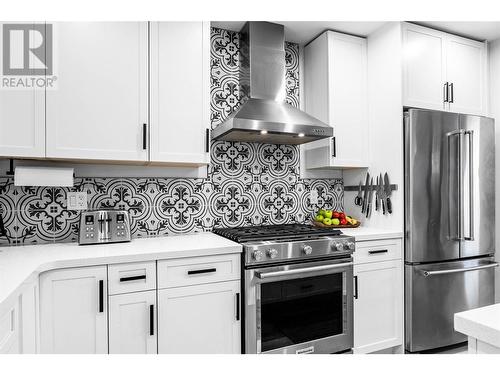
[(321, 212), (319, 218), (327, 221), (335, 221), (328, 214)]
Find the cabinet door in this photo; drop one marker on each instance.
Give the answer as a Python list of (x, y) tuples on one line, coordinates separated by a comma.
[(9, 330), (378, 308), (99, 106), (132, 323), (180, 84), (348, 100), (22, 116), (466, 70), (73, 311), (200, 319), (336, 93), (423, 67)]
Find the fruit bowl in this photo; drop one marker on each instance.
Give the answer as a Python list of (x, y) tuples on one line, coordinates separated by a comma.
[(333, 219), (321, 225)]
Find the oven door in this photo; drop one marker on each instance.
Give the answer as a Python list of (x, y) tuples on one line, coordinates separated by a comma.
[(299, 308)]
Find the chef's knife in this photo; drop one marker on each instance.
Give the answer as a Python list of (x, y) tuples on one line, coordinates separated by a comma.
[(358, 201), (388, 192), (377, 195), (370, 198), (365, 193), (383, 196)]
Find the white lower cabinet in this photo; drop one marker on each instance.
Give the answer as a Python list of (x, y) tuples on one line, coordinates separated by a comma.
[(378, 304), (9, 330), (200, 319), (73, 311), (132, 323)]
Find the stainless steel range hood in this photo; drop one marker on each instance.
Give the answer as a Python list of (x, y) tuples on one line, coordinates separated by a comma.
[(264, 115)]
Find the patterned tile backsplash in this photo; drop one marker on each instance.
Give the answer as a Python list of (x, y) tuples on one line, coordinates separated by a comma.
[(247, 184)]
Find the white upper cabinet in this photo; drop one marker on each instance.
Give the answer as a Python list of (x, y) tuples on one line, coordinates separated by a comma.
[(73, 311), (100, 105), (443, 71), (22, 114), (466, 71), (180, 92), (423, 67), (336, 93)]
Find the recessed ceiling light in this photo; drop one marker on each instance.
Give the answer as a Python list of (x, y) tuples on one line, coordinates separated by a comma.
[(263, 132)]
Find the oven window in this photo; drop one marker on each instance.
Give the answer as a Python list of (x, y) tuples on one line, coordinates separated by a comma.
[(300, 310)]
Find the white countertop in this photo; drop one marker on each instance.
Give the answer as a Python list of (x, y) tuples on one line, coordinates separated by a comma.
[(368, 234), (482, 324), (20, 265)]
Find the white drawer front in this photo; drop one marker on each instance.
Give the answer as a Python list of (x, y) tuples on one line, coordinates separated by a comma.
[(378, 251), (198, 270), (131, 277)]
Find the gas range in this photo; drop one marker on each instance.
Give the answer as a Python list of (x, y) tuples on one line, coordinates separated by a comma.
[(297, 288), (289, 242)]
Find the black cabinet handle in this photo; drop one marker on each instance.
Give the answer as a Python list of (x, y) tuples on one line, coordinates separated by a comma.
[(101, 296), (237, 306), (334, 146), (445, 92), (132, 278), (355, 287), (144, 136), (452, 96), (151, 320), (377, 251), (206, 270), (207, 140)]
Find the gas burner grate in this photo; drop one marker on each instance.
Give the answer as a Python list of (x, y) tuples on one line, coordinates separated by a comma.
[(275, 232)]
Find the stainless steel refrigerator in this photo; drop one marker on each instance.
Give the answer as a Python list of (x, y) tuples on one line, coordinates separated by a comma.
[(449, 223)]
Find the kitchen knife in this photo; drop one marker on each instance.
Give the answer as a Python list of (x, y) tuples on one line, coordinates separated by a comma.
[(383, 196), (358, 201), (388, 192), (370, 197), (365, 193), (377, 195)]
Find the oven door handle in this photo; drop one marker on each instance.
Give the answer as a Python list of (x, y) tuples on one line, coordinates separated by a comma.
[(303, 271)]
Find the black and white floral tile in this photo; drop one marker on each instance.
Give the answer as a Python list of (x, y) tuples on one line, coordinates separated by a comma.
[(247, 184)]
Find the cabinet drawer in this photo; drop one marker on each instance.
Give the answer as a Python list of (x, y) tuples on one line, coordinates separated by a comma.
[(198, 270), (131, 277), (377, 251)]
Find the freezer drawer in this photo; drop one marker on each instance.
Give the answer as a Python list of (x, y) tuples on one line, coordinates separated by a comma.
[(435, 292)]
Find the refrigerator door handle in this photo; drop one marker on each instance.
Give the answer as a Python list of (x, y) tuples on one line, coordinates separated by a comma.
[(460, 222), (457, 270), (470, 133)]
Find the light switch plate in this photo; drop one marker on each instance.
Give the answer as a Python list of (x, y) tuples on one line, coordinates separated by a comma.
[(313, 196), (77, 200)]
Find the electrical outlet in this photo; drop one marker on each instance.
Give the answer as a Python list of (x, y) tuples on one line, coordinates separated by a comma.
[(313, 196), (77, 200)]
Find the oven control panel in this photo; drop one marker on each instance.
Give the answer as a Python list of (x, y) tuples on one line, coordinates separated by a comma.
[(269, 252), (104, 226)]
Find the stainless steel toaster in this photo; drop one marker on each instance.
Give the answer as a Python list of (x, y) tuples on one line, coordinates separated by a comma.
[(104, 226)]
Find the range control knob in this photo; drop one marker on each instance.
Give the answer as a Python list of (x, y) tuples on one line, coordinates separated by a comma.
[(349, 245), (257, 255), (337, 246), (307, 249), (272, 253)]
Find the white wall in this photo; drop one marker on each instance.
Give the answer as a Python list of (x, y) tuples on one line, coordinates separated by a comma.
[(494, 63), (385, 116)]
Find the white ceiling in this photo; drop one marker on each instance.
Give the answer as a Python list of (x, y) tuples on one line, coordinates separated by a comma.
[(304, 31)]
